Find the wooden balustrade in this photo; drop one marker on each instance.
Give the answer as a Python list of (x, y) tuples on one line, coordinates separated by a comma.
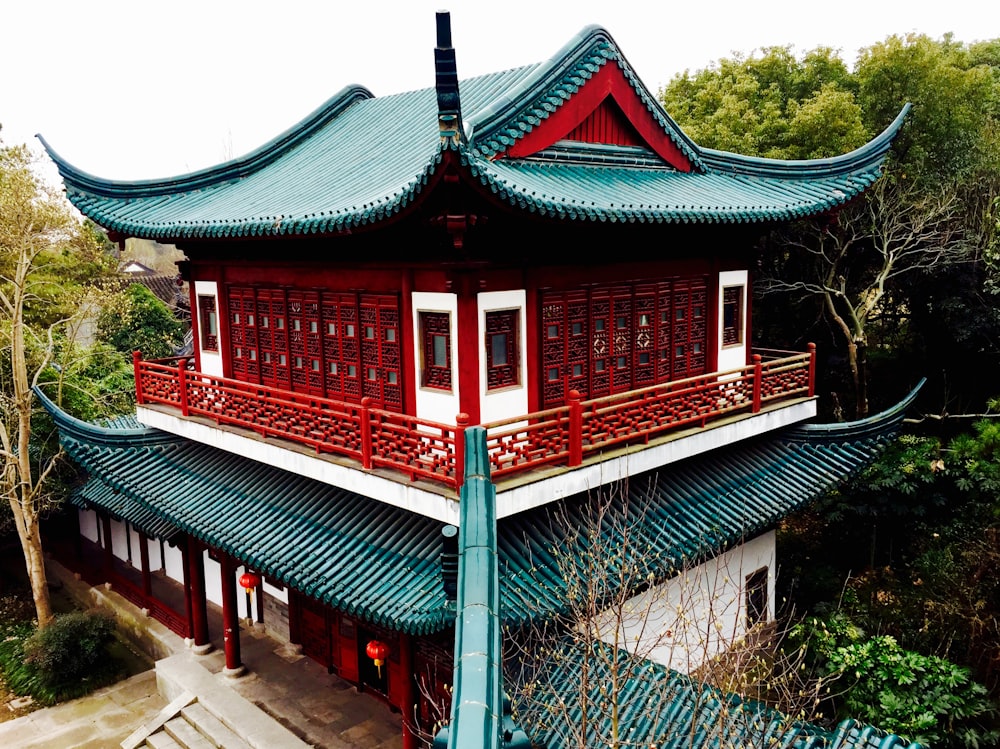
[(423, 449)]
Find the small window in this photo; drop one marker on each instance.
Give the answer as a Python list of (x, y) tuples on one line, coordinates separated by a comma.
[(644, 358), (265, 321), (502, 356), (620, 323), (756, 597), (352, 371), (599, 325), (732, 316), (390, 334), (600, 365), (250, 320), (369, 333), (282, 360), (553, 374), (333, 368), (349, 330), (435, 349), (209, 323), (331, 328), (296, 325), (552, 331), (578, 370), (643, 320), (315, 365), (313, 326), (371, 374), (577, 328), (391, 377)]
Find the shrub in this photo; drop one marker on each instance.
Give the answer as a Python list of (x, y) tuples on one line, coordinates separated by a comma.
[(67, 659)]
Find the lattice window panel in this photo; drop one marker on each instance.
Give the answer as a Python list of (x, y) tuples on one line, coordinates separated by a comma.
[(622, 337), (732, 315), (502, 350), (434, 326), (209, 323), (351, 349), (272, 335), (304, 342), (380, 350), (553, 351), (236, 332), (601, 353), (644, 337)]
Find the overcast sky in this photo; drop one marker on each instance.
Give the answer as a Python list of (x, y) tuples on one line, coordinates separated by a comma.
[(134, 89)]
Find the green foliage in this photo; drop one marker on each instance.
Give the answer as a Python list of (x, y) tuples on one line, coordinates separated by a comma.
[(922, 697), (136, 320), (67, 659), (770, 105)]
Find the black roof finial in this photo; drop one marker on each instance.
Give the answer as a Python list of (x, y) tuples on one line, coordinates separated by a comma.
[(446, 82)]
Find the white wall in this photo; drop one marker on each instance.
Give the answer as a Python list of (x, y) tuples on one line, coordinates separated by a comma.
[(118, 544), (88, 525), (510, 401), (434, 404), (733, 356), (213, 580), (696, 615), (211, 361), (173, 563)]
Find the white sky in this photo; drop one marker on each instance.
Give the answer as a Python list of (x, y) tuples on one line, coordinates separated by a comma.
[(135, 89)]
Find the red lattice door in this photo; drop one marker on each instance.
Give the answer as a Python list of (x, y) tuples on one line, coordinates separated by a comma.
[(690, 329), (305, 343), (243, 346), (272, 337), (380, 352)]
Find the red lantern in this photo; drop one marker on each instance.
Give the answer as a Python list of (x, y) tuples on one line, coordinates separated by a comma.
[(249, 580), (378, 651)]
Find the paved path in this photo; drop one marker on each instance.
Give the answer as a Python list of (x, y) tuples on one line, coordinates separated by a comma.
[(99, 721)]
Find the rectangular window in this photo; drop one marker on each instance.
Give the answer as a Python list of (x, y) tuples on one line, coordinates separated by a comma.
[(435, 335), (502, 355), (732, 315), (209, 320), (756, 597)]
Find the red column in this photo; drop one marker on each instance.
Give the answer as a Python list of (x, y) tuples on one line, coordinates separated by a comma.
[(199, 604), (469, 345), (147, 581), (408, 698), (230, 618)]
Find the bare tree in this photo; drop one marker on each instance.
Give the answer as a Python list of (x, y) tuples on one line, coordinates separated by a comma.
[(851, 262), (644, 647)]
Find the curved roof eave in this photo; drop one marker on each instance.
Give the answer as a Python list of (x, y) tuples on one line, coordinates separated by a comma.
[(77, 179), (865, 158), (100, 435)]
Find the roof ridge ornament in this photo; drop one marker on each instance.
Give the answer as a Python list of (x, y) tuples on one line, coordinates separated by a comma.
[(446, 84)]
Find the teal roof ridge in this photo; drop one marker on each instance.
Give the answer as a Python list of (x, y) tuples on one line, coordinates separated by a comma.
[(865, 159), (496, 127), (112, 435), (255, 160)]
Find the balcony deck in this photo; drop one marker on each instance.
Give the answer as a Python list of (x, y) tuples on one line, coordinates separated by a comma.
[(522, 449)]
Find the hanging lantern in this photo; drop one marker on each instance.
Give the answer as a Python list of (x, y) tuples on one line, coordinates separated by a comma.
[(378, 651), (249, 581)]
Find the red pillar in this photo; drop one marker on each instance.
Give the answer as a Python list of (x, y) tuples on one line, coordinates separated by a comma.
[(230, 618), (469, 344), (199, 604), (147, 579), (408, 697)]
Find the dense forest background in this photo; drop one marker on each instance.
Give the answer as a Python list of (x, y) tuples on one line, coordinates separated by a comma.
[(895, 579)]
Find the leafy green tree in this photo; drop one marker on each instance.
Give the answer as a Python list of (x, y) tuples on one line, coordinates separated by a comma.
[(924, 698), (136, 320), (45, 253)]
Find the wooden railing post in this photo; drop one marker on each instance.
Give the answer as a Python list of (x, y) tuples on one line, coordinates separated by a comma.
[(757, 377), (575, 428), (812, 369), (461, 422), (366, 432), (182, 390), (136, 362)]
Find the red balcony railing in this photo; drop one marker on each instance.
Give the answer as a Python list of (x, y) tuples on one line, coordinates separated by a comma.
[(564, 436)]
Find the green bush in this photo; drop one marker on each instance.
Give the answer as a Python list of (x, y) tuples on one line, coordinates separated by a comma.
[(67, 659)]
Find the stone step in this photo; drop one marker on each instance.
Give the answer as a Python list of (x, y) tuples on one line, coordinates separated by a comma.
[(212, 728), (186, 735), (161, 740)]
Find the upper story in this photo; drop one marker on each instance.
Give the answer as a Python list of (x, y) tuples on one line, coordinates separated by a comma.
[(540, 250)]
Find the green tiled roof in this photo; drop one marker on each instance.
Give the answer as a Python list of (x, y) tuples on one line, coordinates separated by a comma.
[(382, 563), (663, 708), (95, 493), (359, 160)]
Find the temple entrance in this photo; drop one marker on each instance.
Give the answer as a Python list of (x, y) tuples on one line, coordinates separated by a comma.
[(370, 675)]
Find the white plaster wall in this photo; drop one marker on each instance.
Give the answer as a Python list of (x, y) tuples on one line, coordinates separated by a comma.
[(173, 563), (734, 356), (213, 580), (696, 615), (155, 562), (433, 404), (510, 401), (280, 594), (211, 361), (136, 541), (88, 525), (118, 546)]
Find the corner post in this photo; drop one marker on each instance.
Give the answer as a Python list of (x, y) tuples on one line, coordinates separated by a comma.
[(812, 369), (136, 368), (575, 428), (461, 422), (758, 373), (182, 386), (366, 432)]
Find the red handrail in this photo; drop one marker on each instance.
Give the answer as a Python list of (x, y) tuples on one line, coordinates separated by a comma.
[(565, 435)]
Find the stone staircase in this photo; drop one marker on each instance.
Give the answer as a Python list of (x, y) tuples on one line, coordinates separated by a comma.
[(201, 715)]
